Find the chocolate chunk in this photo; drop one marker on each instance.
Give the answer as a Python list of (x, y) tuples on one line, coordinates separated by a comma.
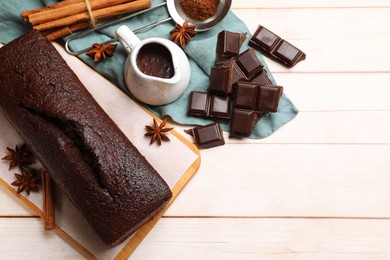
[(288, 53), (208, 136), (236, 73), (262, 79), (276, 48), (206, 105), (220, 106), (251, 102), (220, 80), (198, 103), (268, 98), (265, 38), (249, 64), (228, 46), (242, 122), (246, 95)]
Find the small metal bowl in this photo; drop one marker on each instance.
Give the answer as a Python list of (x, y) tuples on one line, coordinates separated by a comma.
[(177, 14)]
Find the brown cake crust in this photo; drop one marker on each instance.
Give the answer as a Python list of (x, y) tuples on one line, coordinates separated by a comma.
[(87, 155)]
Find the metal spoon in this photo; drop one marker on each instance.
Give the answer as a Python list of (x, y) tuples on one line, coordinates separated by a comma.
[(176, 13)]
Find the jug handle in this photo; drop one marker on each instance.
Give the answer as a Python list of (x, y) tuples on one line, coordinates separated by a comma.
[(127, 38)]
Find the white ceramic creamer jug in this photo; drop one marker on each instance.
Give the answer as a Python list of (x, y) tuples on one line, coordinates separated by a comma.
[(157, 71)]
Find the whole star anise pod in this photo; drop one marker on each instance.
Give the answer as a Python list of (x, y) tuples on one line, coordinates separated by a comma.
[(101, 51), (26, 181), (157, 131), (18, 157), (183, 33)]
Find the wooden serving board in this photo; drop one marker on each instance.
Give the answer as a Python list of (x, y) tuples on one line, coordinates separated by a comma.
[(176, 161)]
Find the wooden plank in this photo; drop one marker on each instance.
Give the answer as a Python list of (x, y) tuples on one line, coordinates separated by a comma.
[(351, 58), (267, 239), (332, 40), (289, 180), (310, 4), (325, 127), (25, 238), (221, 238), (323, 25), (350, 127), (11, 206), (337, 92)]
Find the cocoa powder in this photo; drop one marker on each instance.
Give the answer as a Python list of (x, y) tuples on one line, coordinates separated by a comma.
[(199, 10)]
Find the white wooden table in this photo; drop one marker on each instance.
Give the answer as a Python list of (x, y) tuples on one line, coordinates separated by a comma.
[(318, 188)]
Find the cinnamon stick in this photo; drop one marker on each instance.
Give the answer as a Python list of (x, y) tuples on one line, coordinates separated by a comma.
[(70, 9), (56, 33), (47, 32), (99, 14), (53, 35), (48, 202), (26, 14)]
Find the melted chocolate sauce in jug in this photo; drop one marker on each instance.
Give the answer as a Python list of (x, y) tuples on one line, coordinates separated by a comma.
[(155, 60)]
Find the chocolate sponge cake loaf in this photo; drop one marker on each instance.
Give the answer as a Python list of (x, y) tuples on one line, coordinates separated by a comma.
[(106, 178)]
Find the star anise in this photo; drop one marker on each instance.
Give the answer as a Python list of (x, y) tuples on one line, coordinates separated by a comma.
[(18, 157), (157, 131), (26, 181), (101, 51), (183, 33)]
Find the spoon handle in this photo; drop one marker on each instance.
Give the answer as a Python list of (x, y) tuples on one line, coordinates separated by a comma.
[(149, 26)]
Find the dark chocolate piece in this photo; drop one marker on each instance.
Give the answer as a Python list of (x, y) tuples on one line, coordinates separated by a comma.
[(262, 79), (208, 136), (242, 122), (236, 73), (206, 105), (219, 106), (249, 63), (265, 38), (220, 80), (228, 46), (251, 102), (268, 98), (198, 103), (288, 53), (246, 95), (276, 48)]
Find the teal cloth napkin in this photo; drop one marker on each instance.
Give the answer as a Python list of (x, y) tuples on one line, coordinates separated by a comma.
[(201, 53)]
